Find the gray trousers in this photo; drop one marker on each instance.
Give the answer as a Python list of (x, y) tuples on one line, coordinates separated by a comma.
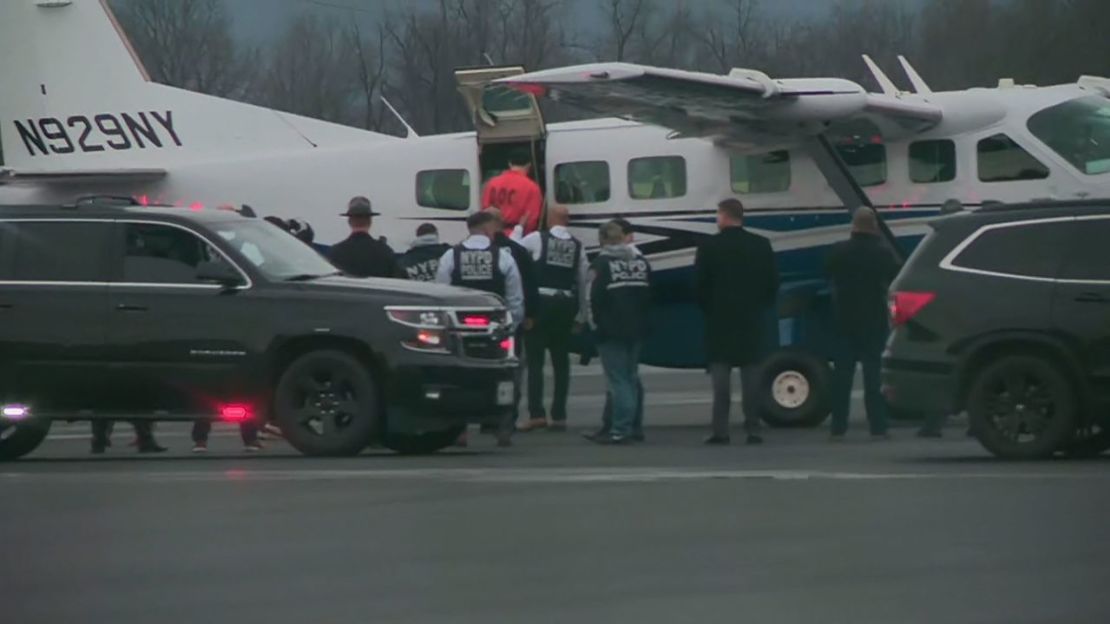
[(721, 374)]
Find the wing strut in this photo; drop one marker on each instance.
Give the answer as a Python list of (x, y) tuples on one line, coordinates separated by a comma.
[(844, 184)]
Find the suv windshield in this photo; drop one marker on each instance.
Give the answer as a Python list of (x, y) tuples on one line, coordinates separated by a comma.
[(275, 253), (1077, 130)]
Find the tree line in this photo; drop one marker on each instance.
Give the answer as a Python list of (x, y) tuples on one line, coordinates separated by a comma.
[(327, 64)]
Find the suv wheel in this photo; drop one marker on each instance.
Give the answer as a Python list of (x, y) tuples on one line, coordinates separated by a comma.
[(422, 443), (16, 440), (793, 390), (1022, 407), (326, 403)]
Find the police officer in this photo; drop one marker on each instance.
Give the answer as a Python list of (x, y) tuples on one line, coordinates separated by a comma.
[(560, 271), (619, 303), (479, 263), (421, 261), (361, 255)]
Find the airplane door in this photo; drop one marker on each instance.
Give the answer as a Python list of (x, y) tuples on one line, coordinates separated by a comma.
[(1081, 305), (504, 119)]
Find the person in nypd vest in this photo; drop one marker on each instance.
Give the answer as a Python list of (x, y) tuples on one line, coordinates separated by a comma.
[(421, 261), (479, 263), (560, 268), (619, 304)]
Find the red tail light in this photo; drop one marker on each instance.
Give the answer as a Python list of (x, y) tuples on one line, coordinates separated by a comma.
[(235, 413), (906, 305)]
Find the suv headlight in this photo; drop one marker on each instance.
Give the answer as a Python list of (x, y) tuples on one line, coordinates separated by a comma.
[(428, 318)]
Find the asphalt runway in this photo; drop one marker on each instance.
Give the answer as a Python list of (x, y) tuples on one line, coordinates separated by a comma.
[(557, 530)]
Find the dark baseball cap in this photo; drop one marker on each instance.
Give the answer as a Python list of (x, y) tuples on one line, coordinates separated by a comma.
[(359, 207)]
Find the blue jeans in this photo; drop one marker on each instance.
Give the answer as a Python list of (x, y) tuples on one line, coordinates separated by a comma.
[(843, 376), (637, 421), (621, 363)]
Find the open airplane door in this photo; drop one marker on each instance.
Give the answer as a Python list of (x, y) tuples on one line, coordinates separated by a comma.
[(505, 119)]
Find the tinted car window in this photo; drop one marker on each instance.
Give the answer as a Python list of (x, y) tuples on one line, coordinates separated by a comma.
[(1026, 250), (55, 251), (1088, 255), (162, 254)]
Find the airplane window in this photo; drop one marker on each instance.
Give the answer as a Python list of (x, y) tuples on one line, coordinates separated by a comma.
[(443, 188), (500, 99), (1002, 160), (860, 145), (657, 177), (55, 251), (932, 161), (1077, 130), (160, 254), (582, 182), (761, 173)]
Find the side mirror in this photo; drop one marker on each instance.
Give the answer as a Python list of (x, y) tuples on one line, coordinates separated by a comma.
[(220, 273)]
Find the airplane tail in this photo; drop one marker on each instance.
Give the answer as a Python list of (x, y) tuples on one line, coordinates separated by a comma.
[(75, 96)]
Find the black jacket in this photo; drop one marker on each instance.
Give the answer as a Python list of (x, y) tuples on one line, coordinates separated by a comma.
[(620, 294), (736, 283), (362, 255), (527, 267), (861, 269)]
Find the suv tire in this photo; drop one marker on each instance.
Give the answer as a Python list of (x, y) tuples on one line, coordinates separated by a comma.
[(16, 440), (1022, 396), (423, 443), (793, 390), (326, 403)]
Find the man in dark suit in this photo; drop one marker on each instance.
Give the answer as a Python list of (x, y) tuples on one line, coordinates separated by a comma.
[(736, 283), (860, 269), (362, 255)]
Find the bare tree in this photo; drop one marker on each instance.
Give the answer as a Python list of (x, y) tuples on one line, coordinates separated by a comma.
[(623, 20), (188, 43), (311, 71)]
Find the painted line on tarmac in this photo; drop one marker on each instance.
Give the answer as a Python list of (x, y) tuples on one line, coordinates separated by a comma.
[(525, 476)]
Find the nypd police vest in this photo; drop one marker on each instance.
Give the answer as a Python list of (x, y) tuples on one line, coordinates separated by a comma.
[(479, 269), (421, 263), (557, 267)]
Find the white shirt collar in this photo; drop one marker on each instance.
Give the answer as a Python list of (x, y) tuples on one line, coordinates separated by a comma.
[(559, 231), (476, 241)]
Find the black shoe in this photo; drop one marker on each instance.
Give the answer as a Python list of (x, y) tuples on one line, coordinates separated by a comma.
[(612, 440), (753, 440), (150, 446), (592, 436), (716, 440), (504, 440), (98, 448)]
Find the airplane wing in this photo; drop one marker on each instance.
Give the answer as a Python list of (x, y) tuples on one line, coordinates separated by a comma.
[(78, 176), (743, 108)]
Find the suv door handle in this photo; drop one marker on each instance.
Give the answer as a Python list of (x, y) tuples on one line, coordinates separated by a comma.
[(127, 307), (1091, 297)]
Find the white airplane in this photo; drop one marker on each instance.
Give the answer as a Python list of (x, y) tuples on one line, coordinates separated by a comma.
[(79, 116)]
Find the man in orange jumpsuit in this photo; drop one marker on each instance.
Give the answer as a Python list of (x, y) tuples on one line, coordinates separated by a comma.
[(517, 195)]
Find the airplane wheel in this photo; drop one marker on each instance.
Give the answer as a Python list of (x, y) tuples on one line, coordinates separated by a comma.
[(794, 390)]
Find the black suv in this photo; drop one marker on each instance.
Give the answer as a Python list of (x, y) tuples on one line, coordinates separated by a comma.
[(111, 312), (1005, 312)]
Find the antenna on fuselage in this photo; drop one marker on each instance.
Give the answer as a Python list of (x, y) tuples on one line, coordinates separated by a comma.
[(409, 132), (918, 83), (885, 82)]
